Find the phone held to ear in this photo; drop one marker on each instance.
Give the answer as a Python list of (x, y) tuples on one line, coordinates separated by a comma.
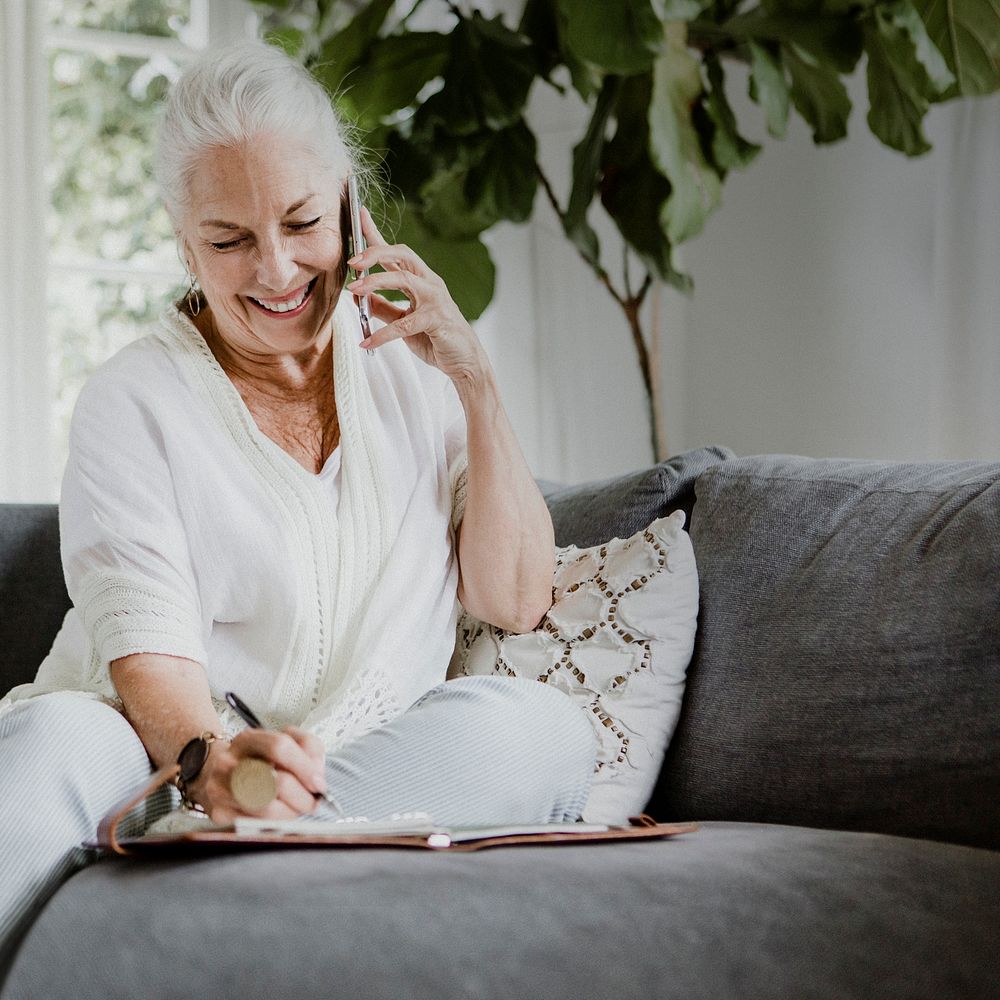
[(358, 244)]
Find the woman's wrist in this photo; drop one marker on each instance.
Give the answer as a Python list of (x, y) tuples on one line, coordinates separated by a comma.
[(477, 384), (198, 790)]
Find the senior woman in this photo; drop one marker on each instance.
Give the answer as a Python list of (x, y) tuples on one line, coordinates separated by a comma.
[(257, 500)]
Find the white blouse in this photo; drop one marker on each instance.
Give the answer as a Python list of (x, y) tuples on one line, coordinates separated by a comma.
[(327, 601)]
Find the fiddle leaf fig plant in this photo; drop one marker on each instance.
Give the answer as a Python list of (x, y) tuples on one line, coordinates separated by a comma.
[(443, 111)]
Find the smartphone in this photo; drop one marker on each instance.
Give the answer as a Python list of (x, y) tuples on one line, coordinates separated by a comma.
[(357, 245)]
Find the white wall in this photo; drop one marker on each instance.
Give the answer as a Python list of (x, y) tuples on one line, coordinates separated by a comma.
[(814, 325), (824, 320)]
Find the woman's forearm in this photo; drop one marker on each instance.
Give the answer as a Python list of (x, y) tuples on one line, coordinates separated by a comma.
[(167, 701), (506, 541)]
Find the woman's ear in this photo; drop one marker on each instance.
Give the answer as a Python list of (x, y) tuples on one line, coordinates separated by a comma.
[(184, 251)]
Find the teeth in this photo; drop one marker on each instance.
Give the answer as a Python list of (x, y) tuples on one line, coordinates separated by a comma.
[(283, 307)]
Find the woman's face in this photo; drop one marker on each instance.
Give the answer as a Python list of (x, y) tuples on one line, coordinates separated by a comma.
[(262, 235)]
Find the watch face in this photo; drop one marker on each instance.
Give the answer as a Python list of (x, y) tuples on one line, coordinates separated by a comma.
[(192, 758)]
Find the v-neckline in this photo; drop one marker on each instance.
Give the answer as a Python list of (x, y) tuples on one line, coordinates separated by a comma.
[(237, 397)]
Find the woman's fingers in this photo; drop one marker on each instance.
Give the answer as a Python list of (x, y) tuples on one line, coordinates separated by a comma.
[(292, 750), (386, 310), (391, 256), (371, 232), (309, 742), (431, 325)]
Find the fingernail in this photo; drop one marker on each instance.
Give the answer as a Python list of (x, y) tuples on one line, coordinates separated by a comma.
[(319, 780), (366, 342)]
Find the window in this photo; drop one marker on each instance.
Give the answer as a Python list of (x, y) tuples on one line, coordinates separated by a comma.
[(109, 251)]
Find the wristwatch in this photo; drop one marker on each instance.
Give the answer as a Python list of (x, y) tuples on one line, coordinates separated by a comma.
[(191, 760)]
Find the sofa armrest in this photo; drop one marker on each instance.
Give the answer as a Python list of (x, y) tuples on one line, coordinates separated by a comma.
[(33, 598)]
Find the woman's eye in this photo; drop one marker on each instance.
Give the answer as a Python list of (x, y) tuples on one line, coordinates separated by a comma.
[(229, 244), (299, 226)]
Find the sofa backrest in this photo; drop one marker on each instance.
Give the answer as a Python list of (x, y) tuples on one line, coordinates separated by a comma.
[(33, 598), (591, 513), (847, 668)]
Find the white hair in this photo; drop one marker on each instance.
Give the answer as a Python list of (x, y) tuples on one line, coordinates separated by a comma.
[(228, 96)]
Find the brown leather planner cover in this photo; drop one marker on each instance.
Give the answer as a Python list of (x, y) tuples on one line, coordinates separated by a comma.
[(222, 839)]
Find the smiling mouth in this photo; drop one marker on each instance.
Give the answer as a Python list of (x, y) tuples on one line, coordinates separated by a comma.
[(287, 306)]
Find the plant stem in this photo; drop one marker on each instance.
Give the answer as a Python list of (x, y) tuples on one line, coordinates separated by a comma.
[(631, 305)]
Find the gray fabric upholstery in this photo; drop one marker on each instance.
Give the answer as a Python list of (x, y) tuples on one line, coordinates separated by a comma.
[(846, 675), (847, 668), (591, 513), (733, 911), (33, 598)]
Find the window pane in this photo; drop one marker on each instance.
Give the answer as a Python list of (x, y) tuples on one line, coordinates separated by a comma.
[(89, 320), (105, 215), (146, 17), (104, 201)]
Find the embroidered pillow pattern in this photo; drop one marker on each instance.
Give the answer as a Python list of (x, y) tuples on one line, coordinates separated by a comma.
[(617, 639)]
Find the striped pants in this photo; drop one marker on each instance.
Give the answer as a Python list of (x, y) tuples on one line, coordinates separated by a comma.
[(473, 751)]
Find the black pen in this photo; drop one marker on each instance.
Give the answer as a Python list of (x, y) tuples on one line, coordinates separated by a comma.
[(243, 710)]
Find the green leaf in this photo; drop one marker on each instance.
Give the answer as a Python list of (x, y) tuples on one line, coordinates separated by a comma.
[(897, 105), (464, 265), (632, 189), (540, 24), (347, 48), (631, 202), (585, 76), (587, 156), (911, 50), (289, 40), (504, 178), (729, 148), (894, 116), (967, 33), (674, 143), (905, 73), (680, 10), (396, 70), (810, 8), (447, 210), (620, 37), (489, 72), (769, 88), (833, 40), (409, 163), (819, 97)]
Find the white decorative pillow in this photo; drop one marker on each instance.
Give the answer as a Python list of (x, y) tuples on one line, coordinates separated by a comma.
[(618, 639)]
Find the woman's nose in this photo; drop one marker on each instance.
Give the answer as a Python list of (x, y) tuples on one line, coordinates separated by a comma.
[(276, 268)]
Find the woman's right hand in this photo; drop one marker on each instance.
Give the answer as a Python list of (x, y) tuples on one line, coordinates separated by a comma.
[(296, 756)]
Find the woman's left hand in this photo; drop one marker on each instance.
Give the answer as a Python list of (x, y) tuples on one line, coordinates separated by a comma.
[(432, 325)]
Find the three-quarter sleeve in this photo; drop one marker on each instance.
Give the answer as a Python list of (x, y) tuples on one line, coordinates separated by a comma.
[(126, 554)]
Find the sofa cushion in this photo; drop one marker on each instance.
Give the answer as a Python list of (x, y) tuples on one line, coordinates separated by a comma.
[(32, 592), (847, 667), (755, 912), (591, 513), (617, 640)]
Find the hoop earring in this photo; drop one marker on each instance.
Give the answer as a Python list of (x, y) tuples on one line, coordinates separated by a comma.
[(193, 297)]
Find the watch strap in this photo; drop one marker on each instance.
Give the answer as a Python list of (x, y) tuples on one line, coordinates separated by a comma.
[(190, 761)]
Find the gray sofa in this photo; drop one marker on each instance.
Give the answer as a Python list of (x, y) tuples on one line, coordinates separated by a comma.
[(839, 744)]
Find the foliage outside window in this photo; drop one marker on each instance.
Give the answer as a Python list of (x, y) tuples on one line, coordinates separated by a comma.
[(112, 257)]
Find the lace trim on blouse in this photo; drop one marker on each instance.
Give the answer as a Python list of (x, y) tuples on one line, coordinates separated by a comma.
[(154, 621)]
